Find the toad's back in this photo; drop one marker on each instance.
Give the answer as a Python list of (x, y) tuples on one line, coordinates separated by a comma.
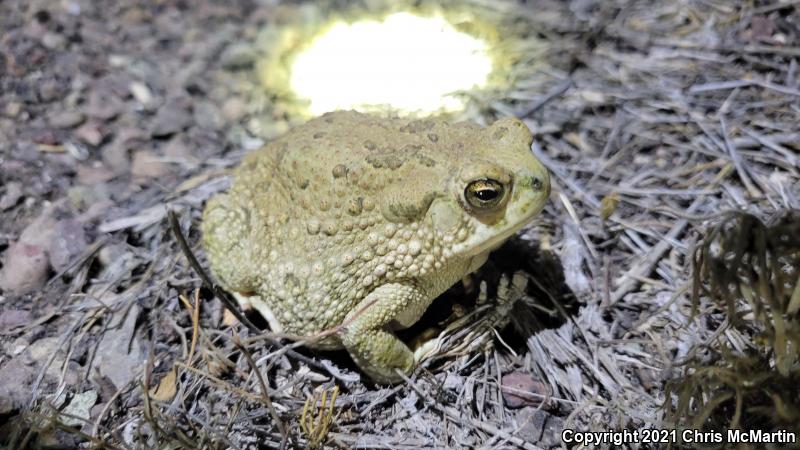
[(313, 218)]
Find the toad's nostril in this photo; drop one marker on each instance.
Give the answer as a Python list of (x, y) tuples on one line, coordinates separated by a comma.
[(538, 183)]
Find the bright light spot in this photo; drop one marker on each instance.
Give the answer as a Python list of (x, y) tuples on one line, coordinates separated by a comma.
[(408, 63)]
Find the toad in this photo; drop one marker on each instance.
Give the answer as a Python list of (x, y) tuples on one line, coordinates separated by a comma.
[(355, 223)]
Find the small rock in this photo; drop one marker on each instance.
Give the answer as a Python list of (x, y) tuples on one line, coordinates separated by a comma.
[(238, 56), (180, 150), (170, 119), (11, 196), (95, 173), (84, 197), (521, 389), (43, 350), (112, 252), (15, 388), (12, 109), (47, 137), (234, 109), (91, 133), (95, 211), (540, 426), (762, 29), (40, 230), (26, 264), (54, 41), (134, 16), (146, 165), (68, 241), (18, 345), (121, 354), (24, 269), (66, 119), (141, 93), (14, 318), (78, 410), (115, 153), (103, 105), (51, 89), (207, 116)]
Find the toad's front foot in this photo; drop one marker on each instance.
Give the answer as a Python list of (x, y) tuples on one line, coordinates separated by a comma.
[(368, 338)]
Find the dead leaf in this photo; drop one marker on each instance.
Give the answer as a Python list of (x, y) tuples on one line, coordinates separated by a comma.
[(228, 319), (121, 353), (167, 388), (608, 205)]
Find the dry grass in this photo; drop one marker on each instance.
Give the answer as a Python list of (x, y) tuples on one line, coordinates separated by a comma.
[(749, 270)]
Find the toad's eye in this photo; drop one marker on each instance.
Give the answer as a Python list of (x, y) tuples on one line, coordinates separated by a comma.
[(484, 194)]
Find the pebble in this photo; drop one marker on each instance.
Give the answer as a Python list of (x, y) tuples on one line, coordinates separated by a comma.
[(170, 119), (540, 426), (68, 241), (78, 410), (91, 133), (14, 318), (11, 196), (517, 385), (12, 109), (103, 105), (115, 153), (15, 388), (141, 93), (234, 109), (121, 353), (146, 165), (41, 350), (66, 119), (238, 56), (112, 252), (83, 197), (25, 262), (54, 41), (39, 231), (47, 137), (94, 173), (180, 150), (50, 89), (25, 268), (207, 116)]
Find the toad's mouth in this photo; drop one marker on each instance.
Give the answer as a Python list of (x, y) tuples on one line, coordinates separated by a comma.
[(498, 239)]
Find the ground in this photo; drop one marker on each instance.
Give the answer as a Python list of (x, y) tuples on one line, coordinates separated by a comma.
[(653, 118)]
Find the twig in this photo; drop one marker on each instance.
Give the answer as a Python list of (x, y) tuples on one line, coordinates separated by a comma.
[(265, 392), (229, 303), (453, 414), (646, 264), (541, 102)]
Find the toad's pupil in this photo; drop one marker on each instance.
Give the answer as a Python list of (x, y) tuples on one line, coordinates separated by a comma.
[(486, 194)]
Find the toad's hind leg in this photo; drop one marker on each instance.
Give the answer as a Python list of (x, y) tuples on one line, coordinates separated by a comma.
[(227, 236), (367, 335)]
